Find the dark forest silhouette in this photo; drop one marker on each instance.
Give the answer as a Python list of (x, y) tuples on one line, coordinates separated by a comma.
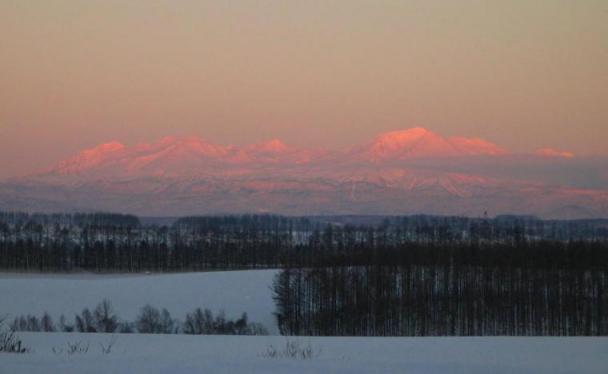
[(120, 243), (543, 288), (413, 276)]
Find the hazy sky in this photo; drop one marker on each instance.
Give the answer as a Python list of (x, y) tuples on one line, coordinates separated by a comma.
[(524, 74)]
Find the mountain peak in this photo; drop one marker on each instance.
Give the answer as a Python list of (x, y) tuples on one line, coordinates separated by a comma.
[(418, 142), (192, 155), (409, 143), (192, 145)]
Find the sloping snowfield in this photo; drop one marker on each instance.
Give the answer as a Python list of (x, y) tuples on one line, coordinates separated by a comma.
[(233, 291), (176, 354)]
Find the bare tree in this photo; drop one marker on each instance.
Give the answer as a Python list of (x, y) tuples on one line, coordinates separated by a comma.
[(149, 320), (46, 323), (167, 323), (105, 318), (85, 322)]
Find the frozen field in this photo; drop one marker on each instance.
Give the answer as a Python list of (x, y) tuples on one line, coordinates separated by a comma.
[(241, 354), (248, 291), (233, 291)]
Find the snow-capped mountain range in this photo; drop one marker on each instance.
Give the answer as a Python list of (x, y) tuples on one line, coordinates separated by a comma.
[(400, 172)]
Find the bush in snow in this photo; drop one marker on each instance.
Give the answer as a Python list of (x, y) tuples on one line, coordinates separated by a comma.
[(152, 321), (105, 318), (9, 342), (85, 321), (202, 322), (106, 349), (72, 348), (293, 349)]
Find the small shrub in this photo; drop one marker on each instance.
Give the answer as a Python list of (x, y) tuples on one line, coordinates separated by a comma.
[(106, 349), (9, 342), (255, 328), (72, 348), (105, 318), (126, 328), (150, 320), (153, 321), (293, 349)]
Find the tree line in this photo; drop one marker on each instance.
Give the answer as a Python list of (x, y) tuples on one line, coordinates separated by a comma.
[(121, 243), (524, 288), (150, 320), (352, 275)]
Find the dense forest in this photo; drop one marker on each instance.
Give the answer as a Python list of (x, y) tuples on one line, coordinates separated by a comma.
[(540, 288), (353, 275), (121, 243)]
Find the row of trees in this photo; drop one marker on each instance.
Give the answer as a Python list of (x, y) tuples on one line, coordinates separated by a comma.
[(70, 219), (414, 276), (415, 227), (115, 243), (150, 320), (544, 288)]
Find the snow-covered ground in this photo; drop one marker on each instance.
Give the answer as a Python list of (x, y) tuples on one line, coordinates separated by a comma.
[(249, 291), (233, 291), (175, 354)]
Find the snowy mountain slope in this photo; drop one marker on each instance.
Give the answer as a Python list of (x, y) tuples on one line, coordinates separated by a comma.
[(173, 156), (421, 143), (400, 172), (192, 155), (365, 194)]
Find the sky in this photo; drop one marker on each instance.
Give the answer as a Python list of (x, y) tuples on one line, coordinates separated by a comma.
[(523, 74)]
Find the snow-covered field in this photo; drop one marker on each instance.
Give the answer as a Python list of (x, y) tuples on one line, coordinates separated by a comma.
[(176, 354), (249, 291), (233, 291)]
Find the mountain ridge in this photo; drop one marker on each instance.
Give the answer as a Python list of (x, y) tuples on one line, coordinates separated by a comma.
[(407, 171), (196, 152)]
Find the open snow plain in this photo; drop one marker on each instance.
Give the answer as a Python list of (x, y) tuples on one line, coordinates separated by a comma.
[(249, 291), (177, 354)]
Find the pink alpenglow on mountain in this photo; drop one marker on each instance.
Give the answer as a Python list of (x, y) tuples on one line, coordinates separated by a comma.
[(173, 156), (193, 155), (91, 158), (412, 143), (399, 172), (421, 143)]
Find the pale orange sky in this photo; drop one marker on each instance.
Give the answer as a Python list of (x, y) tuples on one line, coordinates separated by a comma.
[(524, 74)]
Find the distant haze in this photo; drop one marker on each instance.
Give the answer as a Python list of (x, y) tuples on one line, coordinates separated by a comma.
[(522, 74)]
